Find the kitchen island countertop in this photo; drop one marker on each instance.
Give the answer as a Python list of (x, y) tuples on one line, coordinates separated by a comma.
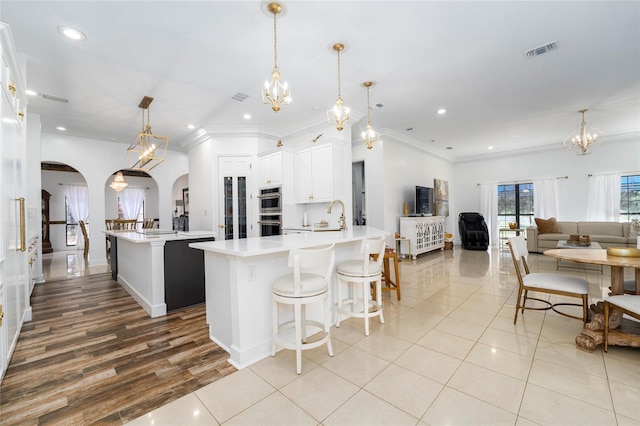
[(239, 276), (160, 235), (283, 243)]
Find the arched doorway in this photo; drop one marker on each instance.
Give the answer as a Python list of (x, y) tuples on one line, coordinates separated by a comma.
[(138, 200)]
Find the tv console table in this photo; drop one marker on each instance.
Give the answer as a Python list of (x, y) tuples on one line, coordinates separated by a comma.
[(425, 233)]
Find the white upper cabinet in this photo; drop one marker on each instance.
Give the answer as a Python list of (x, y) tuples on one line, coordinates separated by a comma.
[(314, 174), (270, 170)]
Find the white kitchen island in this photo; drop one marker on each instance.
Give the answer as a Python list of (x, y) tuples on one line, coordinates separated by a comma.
[(239, 274), (158, 269)]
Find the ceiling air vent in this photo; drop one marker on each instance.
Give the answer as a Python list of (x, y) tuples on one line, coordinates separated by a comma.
[(239, 97), (54, 98), (537, 51)]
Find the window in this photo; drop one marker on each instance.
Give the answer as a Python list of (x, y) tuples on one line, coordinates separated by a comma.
[(140, 218), (515, 204), (629, 198), (71, 225)]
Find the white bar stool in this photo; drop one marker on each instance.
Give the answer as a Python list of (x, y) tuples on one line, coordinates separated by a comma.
[(361, 273), (309, 283)]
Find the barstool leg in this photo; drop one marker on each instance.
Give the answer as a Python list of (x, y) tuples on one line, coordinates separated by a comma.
[(303, 322), (395, 261), (298, 320), (275, 328), (327, 325), (379, 299), (339, 302), (366, 291)]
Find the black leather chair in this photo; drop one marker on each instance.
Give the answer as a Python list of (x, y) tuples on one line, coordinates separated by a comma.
[(473, 231)]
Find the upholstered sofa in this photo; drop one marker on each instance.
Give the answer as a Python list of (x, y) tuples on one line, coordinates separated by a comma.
[(607, 234)]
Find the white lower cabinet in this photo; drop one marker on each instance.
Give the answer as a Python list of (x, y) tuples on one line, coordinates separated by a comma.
[(423, 234)]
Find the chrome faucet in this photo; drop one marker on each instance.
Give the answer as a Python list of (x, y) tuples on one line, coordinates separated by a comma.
[(343, 220)]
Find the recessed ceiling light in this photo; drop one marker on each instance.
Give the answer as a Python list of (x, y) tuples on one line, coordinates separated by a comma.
[(247, 116), (61, 128), (490, 147), (190, 126), (72, 33), (441, 111), (31, 92)]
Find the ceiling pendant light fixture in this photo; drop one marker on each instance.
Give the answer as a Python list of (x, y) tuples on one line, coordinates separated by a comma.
[(584, 137), (275, 93), (369, 136), (147, 150), (118, 183), (339, 114)]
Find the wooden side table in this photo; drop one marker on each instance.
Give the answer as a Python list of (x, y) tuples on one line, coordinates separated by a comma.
[(399, 241), (504, 235)]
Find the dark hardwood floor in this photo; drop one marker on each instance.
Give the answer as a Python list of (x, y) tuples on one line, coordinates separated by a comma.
[(91, 354)]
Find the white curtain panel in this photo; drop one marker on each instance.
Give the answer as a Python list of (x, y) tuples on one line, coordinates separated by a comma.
[(489, 209), (603, 203), (545, 198), (131, 199), (78, 202)]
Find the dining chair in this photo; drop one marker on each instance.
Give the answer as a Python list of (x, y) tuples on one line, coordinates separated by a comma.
[(540, 282), (627, 304), (307, 283), (83, 228), (358, 275), (148, 223), (125, 224)]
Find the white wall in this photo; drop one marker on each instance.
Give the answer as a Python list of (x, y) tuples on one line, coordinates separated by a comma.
[(374, 183), (614, 155), (203, 176), (96, 160), (204, 185), (34, 193), (405, 167)]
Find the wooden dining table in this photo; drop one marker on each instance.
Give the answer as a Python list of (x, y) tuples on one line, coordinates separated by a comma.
[(593, 332)]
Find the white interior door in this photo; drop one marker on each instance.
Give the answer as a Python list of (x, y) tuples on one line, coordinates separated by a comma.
[(234, 217)]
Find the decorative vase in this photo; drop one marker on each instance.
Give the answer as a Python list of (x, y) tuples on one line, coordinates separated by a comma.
[(405, 209)]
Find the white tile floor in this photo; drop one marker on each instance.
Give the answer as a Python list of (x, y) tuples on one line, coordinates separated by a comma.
[(448, 353)]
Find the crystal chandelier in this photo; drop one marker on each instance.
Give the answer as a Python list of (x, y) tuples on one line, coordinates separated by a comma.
[(339, 114), (584, 137), (147, 150), (369, 136), (274, 92), (118, 183)]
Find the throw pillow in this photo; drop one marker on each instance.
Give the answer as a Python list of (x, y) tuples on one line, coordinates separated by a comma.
[(634, 231), (547, 226)]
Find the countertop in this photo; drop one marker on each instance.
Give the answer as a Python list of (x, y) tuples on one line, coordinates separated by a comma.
[(311, 228), (161, 235), (279, 243)]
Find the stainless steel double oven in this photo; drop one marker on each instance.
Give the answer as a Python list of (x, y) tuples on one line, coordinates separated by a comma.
[(270, 222)]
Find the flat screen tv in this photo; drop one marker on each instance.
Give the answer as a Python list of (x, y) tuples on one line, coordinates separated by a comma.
[(424, 201)]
